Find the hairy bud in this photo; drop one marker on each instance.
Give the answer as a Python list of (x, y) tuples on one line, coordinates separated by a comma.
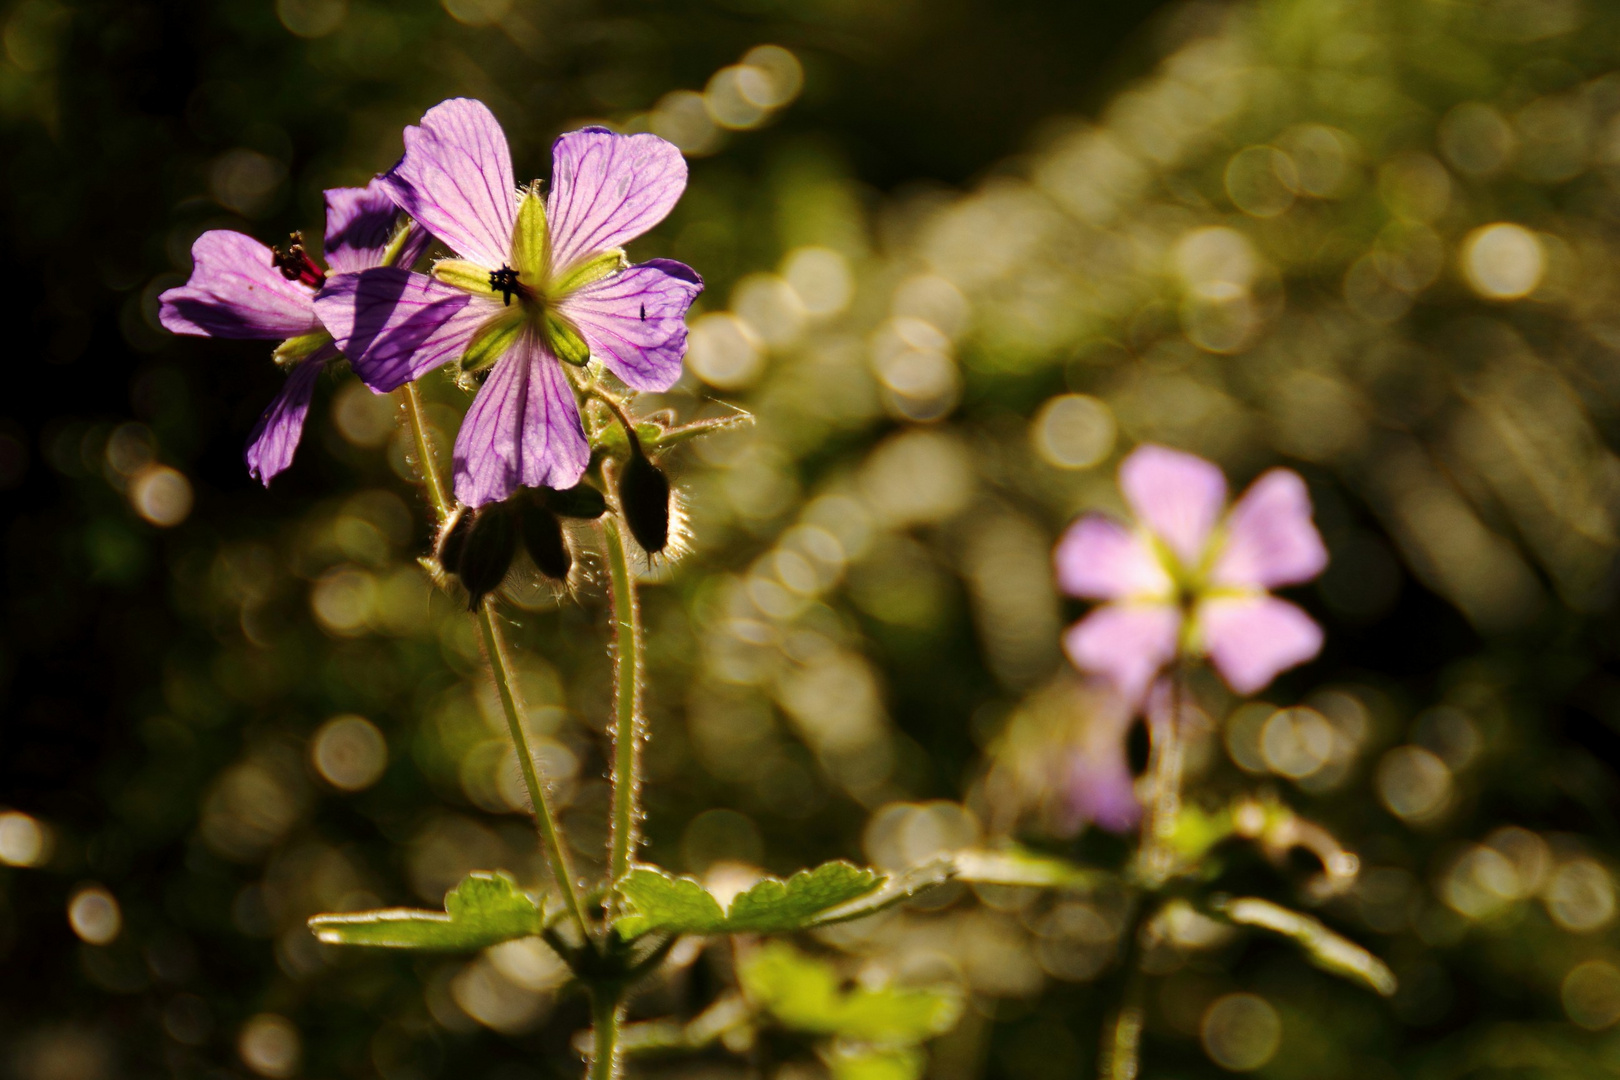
[(487, 553), (543, 537), (453, 541), (644, 499), (579, 501)]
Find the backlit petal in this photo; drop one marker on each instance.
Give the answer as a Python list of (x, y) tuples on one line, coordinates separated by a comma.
[(395, 325), (607, 189), (275, 438), (1100, 559), (635, 321), (1251, 639), (456, 179), (1126, 644), (523, 429), (1178, 496), (1270, 540), (359, 224), (235, 291)]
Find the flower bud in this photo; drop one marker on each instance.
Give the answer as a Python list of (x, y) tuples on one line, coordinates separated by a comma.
[(644, 500), (453, 541), (543, 537), (487, 553), (579, 501)]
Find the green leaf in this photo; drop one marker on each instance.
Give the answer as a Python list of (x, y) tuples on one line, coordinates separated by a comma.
[(677, 905), (1326, 949), (863, 1063), (803, 993), (485, 909)]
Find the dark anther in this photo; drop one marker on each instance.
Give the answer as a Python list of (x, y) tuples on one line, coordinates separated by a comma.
[(505, 282), (295, 264)]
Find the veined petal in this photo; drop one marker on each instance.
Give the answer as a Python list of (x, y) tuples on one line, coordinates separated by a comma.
[(523, 429), (456, 179), (607, 189), (360, 224), (1270, 540), (635, 321), (1178, 496), (1100, 559), (395, 325), (1251, 639), (235, 291), (275, 437), (1126, 644)]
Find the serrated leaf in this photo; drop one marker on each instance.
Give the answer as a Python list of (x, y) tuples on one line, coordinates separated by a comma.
[(485, 909), (1328, 950), (678, 905), (803, 993)]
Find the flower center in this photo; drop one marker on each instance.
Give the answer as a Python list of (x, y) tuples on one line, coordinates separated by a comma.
[(506, 282), (295, 264)]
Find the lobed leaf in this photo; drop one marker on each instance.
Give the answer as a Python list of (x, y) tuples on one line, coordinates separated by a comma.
[(679, 905), (803, 993), (485, 909)]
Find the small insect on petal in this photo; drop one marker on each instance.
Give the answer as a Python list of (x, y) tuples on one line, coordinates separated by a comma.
[(488, 552), (543, 537), (644, 499)]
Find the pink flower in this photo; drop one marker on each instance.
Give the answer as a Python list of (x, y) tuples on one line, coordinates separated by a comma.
[(1186, 582)]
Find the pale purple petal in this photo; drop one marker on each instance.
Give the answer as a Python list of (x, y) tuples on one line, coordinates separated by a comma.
[(456, 179), (395, 325), (523, 429), (1126, 644), (1250, 639), (1099, 784), (635, 321), (1178, 496), (1270, 540), (275, 438), (235, 291), (608, 189), (1100, 559), (359, 224)]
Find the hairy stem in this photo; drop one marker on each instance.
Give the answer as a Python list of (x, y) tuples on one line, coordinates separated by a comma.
[(1164, 798), (552, 841), (606, 1015), (1122, 1039), (551, 838), (626, 703)]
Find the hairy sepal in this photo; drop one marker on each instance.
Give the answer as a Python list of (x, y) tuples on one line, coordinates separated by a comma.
[(467, 276), (589, 270), (492, 341), (531, 239)]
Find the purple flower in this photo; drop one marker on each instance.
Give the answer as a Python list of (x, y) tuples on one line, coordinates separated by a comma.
[(239, 288), (1185, 582), (538, 283), (1097, 777)]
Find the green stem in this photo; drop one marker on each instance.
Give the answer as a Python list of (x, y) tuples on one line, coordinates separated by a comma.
[(1122, 1041), (1164, 798), (551, 838), (626, 703), (606, 1014), (500, 669)]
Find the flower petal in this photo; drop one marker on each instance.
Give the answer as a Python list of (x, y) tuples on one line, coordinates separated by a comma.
[(456, 179), (359, 224), (1178, 496), (275, 437), (1126, 644), (523, 429), (395, 325), (1270, 540), (235, 291), (1250, 639), (1100, 559), (635, 321), (1099, 783), (607, 189)]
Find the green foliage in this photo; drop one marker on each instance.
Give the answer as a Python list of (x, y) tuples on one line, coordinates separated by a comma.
[(1326, 949), (485, 909), (803, 993), (678, 905), (865, 1063)]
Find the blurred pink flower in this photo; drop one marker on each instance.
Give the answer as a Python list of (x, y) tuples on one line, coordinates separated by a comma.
[(1185, 582)]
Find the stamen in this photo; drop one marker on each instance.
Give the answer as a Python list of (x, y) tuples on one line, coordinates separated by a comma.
[(295, 263), (505, 281)]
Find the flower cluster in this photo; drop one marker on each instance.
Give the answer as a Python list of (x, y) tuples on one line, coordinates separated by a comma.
[(537, 284)]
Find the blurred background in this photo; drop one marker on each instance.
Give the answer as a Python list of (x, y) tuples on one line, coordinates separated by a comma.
[(961, 257)]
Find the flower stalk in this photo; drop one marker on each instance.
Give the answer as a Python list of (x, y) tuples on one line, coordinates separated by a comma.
[(1164, 798), (607, 1012), (626, 703)]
